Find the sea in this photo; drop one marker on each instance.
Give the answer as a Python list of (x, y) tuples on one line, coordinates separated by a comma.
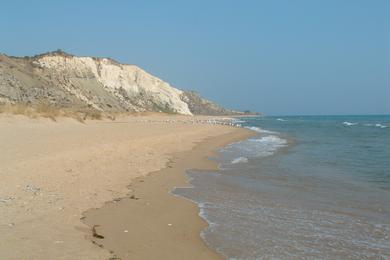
[(306, 187)]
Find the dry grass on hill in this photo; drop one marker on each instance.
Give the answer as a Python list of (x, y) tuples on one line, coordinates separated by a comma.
[(48, 111)]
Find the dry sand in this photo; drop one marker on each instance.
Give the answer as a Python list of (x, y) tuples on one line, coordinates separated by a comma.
[(52, 172)]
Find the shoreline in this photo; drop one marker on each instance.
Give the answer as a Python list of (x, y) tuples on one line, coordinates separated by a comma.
[(52, 172), (151, 217)]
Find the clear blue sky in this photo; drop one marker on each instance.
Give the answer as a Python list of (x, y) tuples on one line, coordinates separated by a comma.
[(275, 56)]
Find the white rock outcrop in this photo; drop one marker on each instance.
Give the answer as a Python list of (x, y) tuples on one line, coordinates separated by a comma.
[(116, 79), (84, 83)]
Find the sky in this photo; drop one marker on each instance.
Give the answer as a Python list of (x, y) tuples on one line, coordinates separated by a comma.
[(279, 57)]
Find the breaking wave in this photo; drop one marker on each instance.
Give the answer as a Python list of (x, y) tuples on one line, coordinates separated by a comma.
[(260, 146), (239, 160), (259, 130), (346, 123), (378, 125)]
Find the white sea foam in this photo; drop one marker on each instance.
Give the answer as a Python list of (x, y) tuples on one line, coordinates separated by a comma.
[(239, 160), (264, 146), (380, 126), (346, 123), (270, 139), (281, 119), (254, 147), (259, 130)]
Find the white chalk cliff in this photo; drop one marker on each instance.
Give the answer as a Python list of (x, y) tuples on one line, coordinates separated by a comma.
[(100, 83)]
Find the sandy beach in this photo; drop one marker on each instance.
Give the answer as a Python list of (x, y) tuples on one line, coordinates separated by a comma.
[(54, 172)]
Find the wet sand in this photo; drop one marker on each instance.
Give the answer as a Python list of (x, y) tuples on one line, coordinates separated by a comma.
[(52, 172), (151, 223)]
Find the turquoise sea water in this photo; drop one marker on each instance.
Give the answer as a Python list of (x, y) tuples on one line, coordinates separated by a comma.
[(307, 187)]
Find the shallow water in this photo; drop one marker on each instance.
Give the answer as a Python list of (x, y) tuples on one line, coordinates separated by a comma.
[(305, 187)]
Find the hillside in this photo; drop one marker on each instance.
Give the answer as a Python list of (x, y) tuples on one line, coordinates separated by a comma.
[(67, 81)]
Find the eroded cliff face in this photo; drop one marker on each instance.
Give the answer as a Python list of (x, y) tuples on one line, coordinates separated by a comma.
[(65, 80), (131, 86)]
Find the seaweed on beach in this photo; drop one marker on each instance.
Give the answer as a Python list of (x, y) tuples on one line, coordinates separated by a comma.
[(95, 234)]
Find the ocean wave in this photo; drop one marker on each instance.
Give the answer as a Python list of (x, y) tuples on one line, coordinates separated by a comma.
[(380, 126), (239, 160), (367, 124), (270, 139), (263, 146), (346, 123), (280, 119), (259, 130), (202, 212)]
